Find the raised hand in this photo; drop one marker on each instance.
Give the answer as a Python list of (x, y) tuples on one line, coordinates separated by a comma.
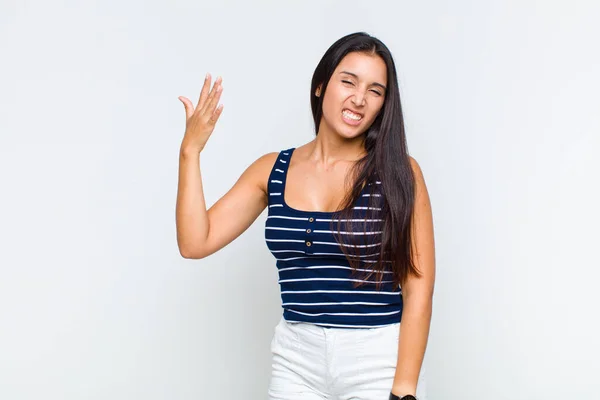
[(200, 121)]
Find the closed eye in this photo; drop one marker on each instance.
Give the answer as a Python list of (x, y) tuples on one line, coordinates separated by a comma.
[(378, 93)]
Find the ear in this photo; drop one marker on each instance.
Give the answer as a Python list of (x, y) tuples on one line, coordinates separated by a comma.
[(318, 90)]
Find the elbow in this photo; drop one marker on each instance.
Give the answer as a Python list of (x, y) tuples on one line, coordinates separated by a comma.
[(191, 252), (421, 305), (193, 246)]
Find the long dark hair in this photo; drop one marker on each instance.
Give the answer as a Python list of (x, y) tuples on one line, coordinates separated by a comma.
[(385, 169)]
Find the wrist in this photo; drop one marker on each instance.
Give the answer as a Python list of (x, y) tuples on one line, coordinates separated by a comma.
[(189, 151), (404, 388), (406, 397)]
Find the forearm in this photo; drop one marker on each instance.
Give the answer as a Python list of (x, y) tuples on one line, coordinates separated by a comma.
[(414, 332), (191, 214)]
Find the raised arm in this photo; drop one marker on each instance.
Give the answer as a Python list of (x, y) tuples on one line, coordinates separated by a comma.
[(201, 232)]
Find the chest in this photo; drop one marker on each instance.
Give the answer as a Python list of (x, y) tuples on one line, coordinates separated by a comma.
[(314, 188)]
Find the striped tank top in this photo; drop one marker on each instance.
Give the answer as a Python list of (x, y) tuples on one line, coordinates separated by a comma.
[(314, 274)]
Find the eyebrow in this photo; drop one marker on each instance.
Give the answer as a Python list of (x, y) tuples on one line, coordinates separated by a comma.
[(356, 76)]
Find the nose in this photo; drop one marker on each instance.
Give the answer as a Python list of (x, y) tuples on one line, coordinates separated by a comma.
[(359, 98)]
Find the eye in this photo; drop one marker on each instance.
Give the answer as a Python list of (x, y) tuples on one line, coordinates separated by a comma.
[(376, 92), (347, 82)]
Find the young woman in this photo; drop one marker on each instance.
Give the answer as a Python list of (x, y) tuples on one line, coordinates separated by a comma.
[(349, 223)]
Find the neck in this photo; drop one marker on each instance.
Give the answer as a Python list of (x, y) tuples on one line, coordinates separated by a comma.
[(329, 148)]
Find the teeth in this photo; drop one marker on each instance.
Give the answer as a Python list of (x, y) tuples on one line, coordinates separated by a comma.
[(351, 115)]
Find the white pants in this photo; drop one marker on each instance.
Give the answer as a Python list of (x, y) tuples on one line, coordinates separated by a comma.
[(313, 363)]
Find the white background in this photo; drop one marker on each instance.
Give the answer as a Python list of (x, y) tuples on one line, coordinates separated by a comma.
[(502, 113)]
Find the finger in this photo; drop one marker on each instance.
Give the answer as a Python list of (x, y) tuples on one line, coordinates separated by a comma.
[(187, 104), (216, 114), (204, 91), (211, 92), (212, 101)]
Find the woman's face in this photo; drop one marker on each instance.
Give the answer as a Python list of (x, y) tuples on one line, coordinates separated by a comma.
[(354, 95)]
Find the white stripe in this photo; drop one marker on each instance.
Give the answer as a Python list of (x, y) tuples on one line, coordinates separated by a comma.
[(343, 232), (283, 161), (284, 240), (348, 245), (341, 254), (288, 251), (284, 217), (334, 254), (328, 279), (274, 194), (293, 258), (348, 220), (338, 291), (331, 267), (369, 195), (360, 246), (275, 205), (345, 303), (351, 233), (285, 229), (278, 170), (287, 154), (276, 181), (347, 314), (346, 326), (366, 208)]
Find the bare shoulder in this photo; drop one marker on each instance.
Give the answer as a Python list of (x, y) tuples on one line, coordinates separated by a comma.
[(421, 187), (416, 168), (260, 169), (268, 159)]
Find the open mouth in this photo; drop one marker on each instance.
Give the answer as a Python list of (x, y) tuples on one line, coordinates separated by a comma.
[(351, 117)]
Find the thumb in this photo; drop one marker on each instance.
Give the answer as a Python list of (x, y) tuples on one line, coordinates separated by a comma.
[(187, 104)]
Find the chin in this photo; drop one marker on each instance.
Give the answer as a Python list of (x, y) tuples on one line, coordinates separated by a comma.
[(346, 131), (353, 134)]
